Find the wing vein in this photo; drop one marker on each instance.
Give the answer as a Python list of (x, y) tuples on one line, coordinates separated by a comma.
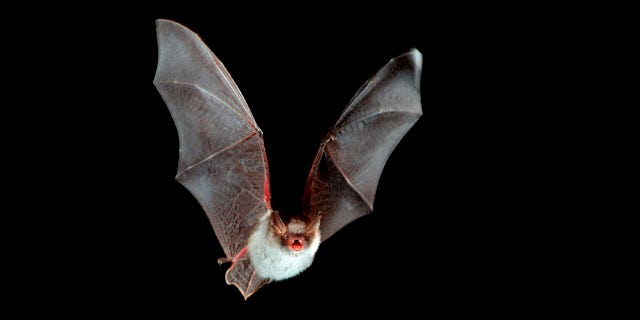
[(367, 87), (229, 82), (237, 196), (371, 115), (351, 185), (215, 154), (199, 88)]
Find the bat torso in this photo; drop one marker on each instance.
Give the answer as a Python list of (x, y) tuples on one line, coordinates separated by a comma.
[(273, 260)]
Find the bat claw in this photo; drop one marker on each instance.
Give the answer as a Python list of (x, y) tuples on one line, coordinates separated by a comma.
[(236, 258)]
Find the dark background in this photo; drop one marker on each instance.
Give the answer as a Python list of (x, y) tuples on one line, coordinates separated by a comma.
[(456, 227)]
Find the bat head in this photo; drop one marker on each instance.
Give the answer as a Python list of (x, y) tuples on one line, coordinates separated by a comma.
[(280, 250), (297, 234)]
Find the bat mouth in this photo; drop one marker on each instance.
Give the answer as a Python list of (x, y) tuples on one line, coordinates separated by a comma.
[(296, 245)]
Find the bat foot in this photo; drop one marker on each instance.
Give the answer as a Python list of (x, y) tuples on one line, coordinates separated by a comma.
[(236, 258)]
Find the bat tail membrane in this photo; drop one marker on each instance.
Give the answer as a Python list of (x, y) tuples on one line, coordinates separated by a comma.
[(242, 275)]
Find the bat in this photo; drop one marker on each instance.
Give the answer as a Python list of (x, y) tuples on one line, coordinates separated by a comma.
[(223, 163)]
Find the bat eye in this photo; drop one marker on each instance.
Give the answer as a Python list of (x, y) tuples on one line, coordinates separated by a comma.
[(286, 237)]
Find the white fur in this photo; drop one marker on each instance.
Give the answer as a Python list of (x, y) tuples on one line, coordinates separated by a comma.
[(274, 261)]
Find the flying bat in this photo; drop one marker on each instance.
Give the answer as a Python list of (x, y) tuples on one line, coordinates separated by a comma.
[(223, 163)]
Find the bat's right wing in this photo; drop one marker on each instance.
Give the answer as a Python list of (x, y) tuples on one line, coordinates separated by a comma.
[(344, 177), (222, 157)]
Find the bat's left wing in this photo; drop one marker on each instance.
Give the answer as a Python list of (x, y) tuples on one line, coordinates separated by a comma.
[(344, 176), (222, 158)]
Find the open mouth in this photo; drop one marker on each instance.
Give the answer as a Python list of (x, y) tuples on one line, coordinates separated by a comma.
[(296, 245)]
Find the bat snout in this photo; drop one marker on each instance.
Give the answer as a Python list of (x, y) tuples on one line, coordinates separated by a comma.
[(295, 243)]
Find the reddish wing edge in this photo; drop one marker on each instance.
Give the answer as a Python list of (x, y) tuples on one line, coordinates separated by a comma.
[(222, 160), (344, 176)]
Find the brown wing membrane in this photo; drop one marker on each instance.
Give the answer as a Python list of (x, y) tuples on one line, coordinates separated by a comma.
[(344, 176), (222, 159)]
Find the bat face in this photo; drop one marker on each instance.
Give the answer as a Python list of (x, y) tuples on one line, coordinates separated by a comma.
[(278, 251), (295, 235), (223, 161)]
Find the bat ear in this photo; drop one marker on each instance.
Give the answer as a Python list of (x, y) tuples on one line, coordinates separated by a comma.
[(277, 223), (311, 226)]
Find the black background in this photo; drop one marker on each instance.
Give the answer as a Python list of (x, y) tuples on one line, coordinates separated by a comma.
[(456, 221)]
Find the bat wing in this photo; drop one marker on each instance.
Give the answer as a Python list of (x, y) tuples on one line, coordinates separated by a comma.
[(222, 160), (342, 184)]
